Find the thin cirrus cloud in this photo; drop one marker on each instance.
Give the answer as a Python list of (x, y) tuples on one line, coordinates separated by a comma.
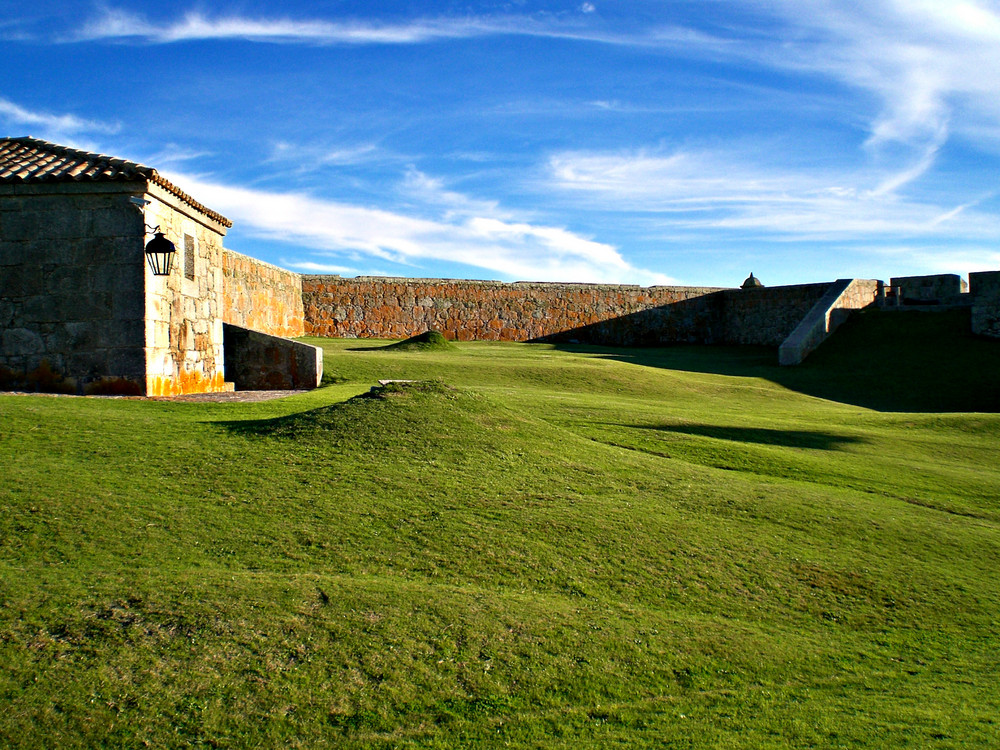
[(923, 59), (917, 56), (514, 250), (117, 24), (316, 157), (51, 125), (726, 190), (920, 59), (192, 26)]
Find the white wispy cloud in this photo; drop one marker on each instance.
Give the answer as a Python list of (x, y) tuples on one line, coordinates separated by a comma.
[(936, 258), (920, 58), (172, 154), (51, 125), (926, 61), (314, 156), (120, 24), (115, 23), (514, 250), (432, 191), (732, 190)]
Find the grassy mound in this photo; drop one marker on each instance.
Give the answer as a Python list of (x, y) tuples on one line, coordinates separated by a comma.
[(564, 549), (426, 341)]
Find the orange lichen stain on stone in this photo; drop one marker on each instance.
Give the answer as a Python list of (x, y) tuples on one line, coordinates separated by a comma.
[(187, 382)]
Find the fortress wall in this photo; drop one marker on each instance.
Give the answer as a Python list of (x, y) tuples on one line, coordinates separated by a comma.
[(762, 316), (372, 307), (931, 287), (766, 316), (261, 297), (620, 315)]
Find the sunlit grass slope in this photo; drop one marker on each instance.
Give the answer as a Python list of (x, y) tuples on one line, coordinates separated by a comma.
[(533, 546)]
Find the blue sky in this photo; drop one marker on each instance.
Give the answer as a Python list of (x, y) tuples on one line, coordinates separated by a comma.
[(648, 142)]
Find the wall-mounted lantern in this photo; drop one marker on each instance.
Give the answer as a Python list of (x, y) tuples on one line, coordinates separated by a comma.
[(160, 254)]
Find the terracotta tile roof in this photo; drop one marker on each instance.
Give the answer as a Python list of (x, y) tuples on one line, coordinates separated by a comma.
[(31, 160)]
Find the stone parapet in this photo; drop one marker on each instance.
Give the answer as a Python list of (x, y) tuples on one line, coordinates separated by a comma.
[(257, 361), (931, 288)]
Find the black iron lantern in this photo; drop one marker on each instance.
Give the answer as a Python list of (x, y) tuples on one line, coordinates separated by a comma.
[(160, 254)]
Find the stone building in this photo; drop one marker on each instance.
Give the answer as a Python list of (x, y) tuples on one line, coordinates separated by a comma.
[(78, 302)]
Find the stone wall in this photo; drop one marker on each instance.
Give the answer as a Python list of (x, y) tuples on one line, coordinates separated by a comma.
[(766, 316), (71, 286), (832, 309), (184, 339), (261, 297), (984, 288), (932, 288), (762, 316), (371, 307), (257, 361), (620, 315)]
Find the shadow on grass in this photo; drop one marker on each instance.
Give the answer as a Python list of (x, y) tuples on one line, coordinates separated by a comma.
[(363, 415), (893, 361), (785, 438), (289, 426)]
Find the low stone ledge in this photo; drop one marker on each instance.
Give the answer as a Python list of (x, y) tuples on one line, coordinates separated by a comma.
[(259, 361)]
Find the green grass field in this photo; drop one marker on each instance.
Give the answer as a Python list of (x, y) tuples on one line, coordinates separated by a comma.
[(533, 546)]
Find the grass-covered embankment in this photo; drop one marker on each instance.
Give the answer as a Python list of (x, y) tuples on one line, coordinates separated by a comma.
[(540, 546)]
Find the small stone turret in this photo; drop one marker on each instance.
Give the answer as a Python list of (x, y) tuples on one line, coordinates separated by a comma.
[(752, 282)]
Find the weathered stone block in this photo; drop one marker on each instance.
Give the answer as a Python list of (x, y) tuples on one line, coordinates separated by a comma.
[(61, 308), (929, 288), (68, 280), (16, 253), (111, 334), (23, 226), (115, 222), (21, 342), (81, 336), (87, 364), (22, 281), (983, 284), (127, 363), (7, 310)]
